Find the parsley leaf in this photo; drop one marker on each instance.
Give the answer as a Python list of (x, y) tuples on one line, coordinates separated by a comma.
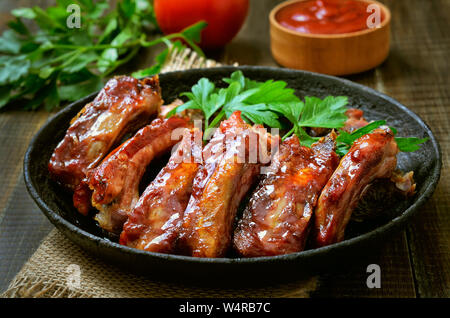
[(326, 113), (245, 82), (291, 110), (409, 144), (314, 112)]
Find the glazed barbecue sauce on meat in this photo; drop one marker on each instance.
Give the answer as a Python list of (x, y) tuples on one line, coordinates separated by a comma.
[(371, 157), (124, 105), (115, 182), (220, 185), (155, 221), (277, 219)]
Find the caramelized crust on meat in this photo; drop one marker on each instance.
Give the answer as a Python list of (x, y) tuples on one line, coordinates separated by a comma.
[(355, 120), (403, 181), (115, 182), (276, 221), (372, 156), (219, 186), (122, 106), (155, 221)]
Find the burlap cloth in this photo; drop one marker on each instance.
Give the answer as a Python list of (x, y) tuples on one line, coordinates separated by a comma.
[(48, 272)]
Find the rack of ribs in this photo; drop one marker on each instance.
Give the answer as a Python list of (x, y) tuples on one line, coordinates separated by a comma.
[(222, 181), (154, 223), (277, 219), (115, 182), (371, 157), (124, 105)]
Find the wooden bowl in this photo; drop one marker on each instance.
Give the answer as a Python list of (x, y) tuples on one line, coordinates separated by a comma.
[(334, 54)]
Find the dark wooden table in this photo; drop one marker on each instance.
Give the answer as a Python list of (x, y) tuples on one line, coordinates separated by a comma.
[(414, 263)]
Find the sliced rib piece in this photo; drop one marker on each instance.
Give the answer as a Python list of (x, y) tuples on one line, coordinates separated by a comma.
[(82, 193), (355, 120), (154, 223), (403, 181), (115, 182), (372, 156), (219, 186), (277, 219), (124, 105)]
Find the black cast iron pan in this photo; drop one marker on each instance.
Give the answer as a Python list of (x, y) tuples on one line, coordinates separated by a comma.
[(361, 237)]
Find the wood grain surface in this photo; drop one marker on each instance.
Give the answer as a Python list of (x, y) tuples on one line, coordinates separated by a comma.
[(414, 263)]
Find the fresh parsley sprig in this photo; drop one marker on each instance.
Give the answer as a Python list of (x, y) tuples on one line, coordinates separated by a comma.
[(409, 144), (314, 112), (263, 103), (405, 144), (254, 99), (57, 63)]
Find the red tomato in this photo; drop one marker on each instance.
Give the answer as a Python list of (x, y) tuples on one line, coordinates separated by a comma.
[(224, 18)]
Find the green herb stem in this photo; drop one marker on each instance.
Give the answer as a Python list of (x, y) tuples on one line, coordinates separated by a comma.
[(289, 133)]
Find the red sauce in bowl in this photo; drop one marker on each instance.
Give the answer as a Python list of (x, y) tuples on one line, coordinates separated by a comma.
[(326, 16)]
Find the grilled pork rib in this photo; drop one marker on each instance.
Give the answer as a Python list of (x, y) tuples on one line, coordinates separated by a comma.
[(276, 221), (124, 105), (372, 156), (115, 182), (403, 181), (355, 120), (224, 178), (154, 223)]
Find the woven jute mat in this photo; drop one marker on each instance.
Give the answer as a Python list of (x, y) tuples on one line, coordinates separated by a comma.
[(59, 268)]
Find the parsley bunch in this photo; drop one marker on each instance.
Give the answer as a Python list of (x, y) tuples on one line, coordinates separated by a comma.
[(57, 63), (254, 99), (263, 103)]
